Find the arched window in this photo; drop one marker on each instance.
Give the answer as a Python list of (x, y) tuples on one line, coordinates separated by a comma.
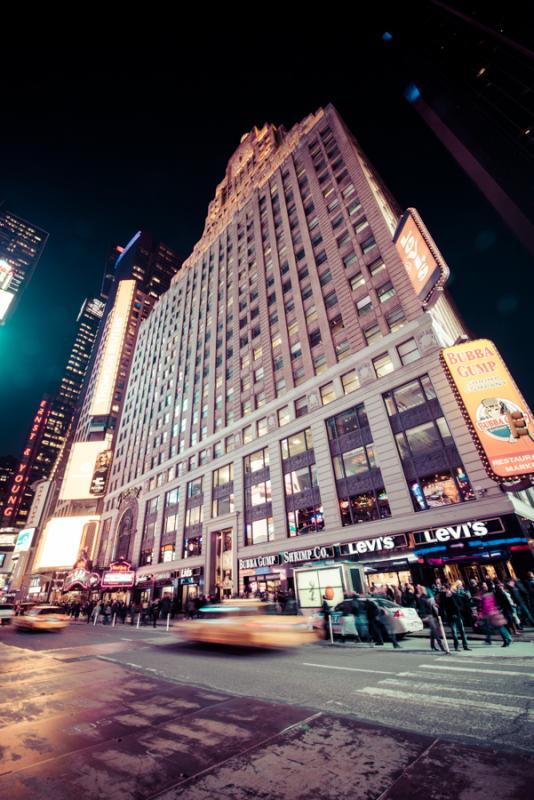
[(125, 536)]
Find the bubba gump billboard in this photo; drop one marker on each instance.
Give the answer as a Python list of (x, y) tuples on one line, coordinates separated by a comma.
[(497, 415)]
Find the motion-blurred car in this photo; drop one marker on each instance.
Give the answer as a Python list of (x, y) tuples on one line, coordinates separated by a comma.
[(41, 618), (247, 623), (405, 620), (7, 611)]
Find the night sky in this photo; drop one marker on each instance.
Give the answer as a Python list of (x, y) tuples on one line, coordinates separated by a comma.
[(93, 150)]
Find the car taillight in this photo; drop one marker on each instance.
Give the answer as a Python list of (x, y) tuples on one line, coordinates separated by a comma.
[(398, 613)]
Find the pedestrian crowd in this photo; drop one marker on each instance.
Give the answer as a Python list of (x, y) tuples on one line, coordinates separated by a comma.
[(490, 606)]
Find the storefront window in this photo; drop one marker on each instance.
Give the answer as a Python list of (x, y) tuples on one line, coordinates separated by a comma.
[(364, 507), (305, 520)]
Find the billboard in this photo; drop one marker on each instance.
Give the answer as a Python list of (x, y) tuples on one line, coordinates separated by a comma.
[(421, 258), (60, 542), (100, 474), (108, 366), (79, 474), (497, 415), (24, 540)]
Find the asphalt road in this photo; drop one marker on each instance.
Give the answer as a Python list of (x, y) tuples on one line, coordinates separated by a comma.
[(474, 697)]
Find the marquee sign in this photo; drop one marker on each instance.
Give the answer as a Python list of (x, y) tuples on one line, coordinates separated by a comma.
[(119, 575), (82, 578)]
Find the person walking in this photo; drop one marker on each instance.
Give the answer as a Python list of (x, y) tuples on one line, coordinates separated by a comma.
[(386, 622), (519, 599), (327, 611), (507, 606), (450, 606), (375, 629), (430, 615), (154, 612), (493, 616)]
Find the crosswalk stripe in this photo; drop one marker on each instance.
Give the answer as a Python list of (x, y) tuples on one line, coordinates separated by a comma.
[(493, 708), (439, 666), (348, 669), (443, 688)]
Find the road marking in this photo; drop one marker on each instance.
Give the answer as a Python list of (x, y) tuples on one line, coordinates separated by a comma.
[(455, 689), (478, 671), (348, 669), (490, 708)]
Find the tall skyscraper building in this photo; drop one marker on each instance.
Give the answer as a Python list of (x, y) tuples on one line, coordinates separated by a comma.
[(21, 246), (141, 271), (286, 401)]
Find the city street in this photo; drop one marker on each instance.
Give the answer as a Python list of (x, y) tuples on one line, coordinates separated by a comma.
[(92, 707)]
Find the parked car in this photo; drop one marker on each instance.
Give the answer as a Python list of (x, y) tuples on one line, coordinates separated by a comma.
[(345, 624), (41, 618), (247, 623), (7, 611)]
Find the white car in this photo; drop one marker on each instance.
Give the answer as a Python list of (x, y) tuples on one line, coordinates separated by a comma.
[(6, 612), (405, 620)]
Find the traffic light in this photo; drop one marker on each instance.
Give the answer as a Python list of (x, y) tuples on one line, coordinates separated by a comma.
[(517, 423)]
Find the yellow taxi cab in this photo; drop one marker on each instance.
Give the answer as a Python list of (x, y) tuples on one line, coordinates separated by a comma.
[(41, 618), (247, 623)]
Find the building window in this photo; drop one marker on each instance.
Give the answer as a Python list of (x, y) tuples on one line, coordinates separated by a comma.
[(328, 394), (408, 351), (192, 546), (284, 416), (248, 434), (364, 306), (359, 484), (296, 444), (263, 427), (386, 292), (431, 463), (350, 382), (372, 333), (256, 461), (259, 531), (395, 319), (383, 365), (357, 281), (301, 406)]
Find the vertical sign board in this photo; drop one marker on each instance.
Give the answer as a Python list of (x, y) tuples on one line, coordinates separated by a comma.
[(16, 492), (497, 416), (424, 264)]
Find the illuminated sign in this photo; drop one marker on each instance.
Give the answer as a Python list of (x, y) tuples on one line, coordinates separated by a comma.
[(108, 367), (20, 480), (82, 578), (60, 542), (421, 258), (6, 273), (120, 574), (79, 474), (6, 298), (100, 474), (496, 414), (38, 503), (8, 539), (24, 540)]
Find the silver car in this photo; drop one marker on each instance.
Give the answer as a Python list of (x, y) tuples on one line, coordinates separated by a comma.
[(344, 623)]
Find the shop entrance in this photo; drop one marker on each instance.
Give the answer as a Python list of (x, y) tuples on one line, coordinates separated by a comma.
[(264, 586), (222, 551)]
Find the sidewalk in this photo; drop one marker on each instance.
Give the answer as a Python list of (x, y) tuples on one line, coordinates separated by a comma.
[(421, 644)]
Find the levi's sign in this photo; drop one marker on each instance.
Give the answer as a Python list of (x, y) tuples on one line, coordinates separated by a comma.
[(451, 533)]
